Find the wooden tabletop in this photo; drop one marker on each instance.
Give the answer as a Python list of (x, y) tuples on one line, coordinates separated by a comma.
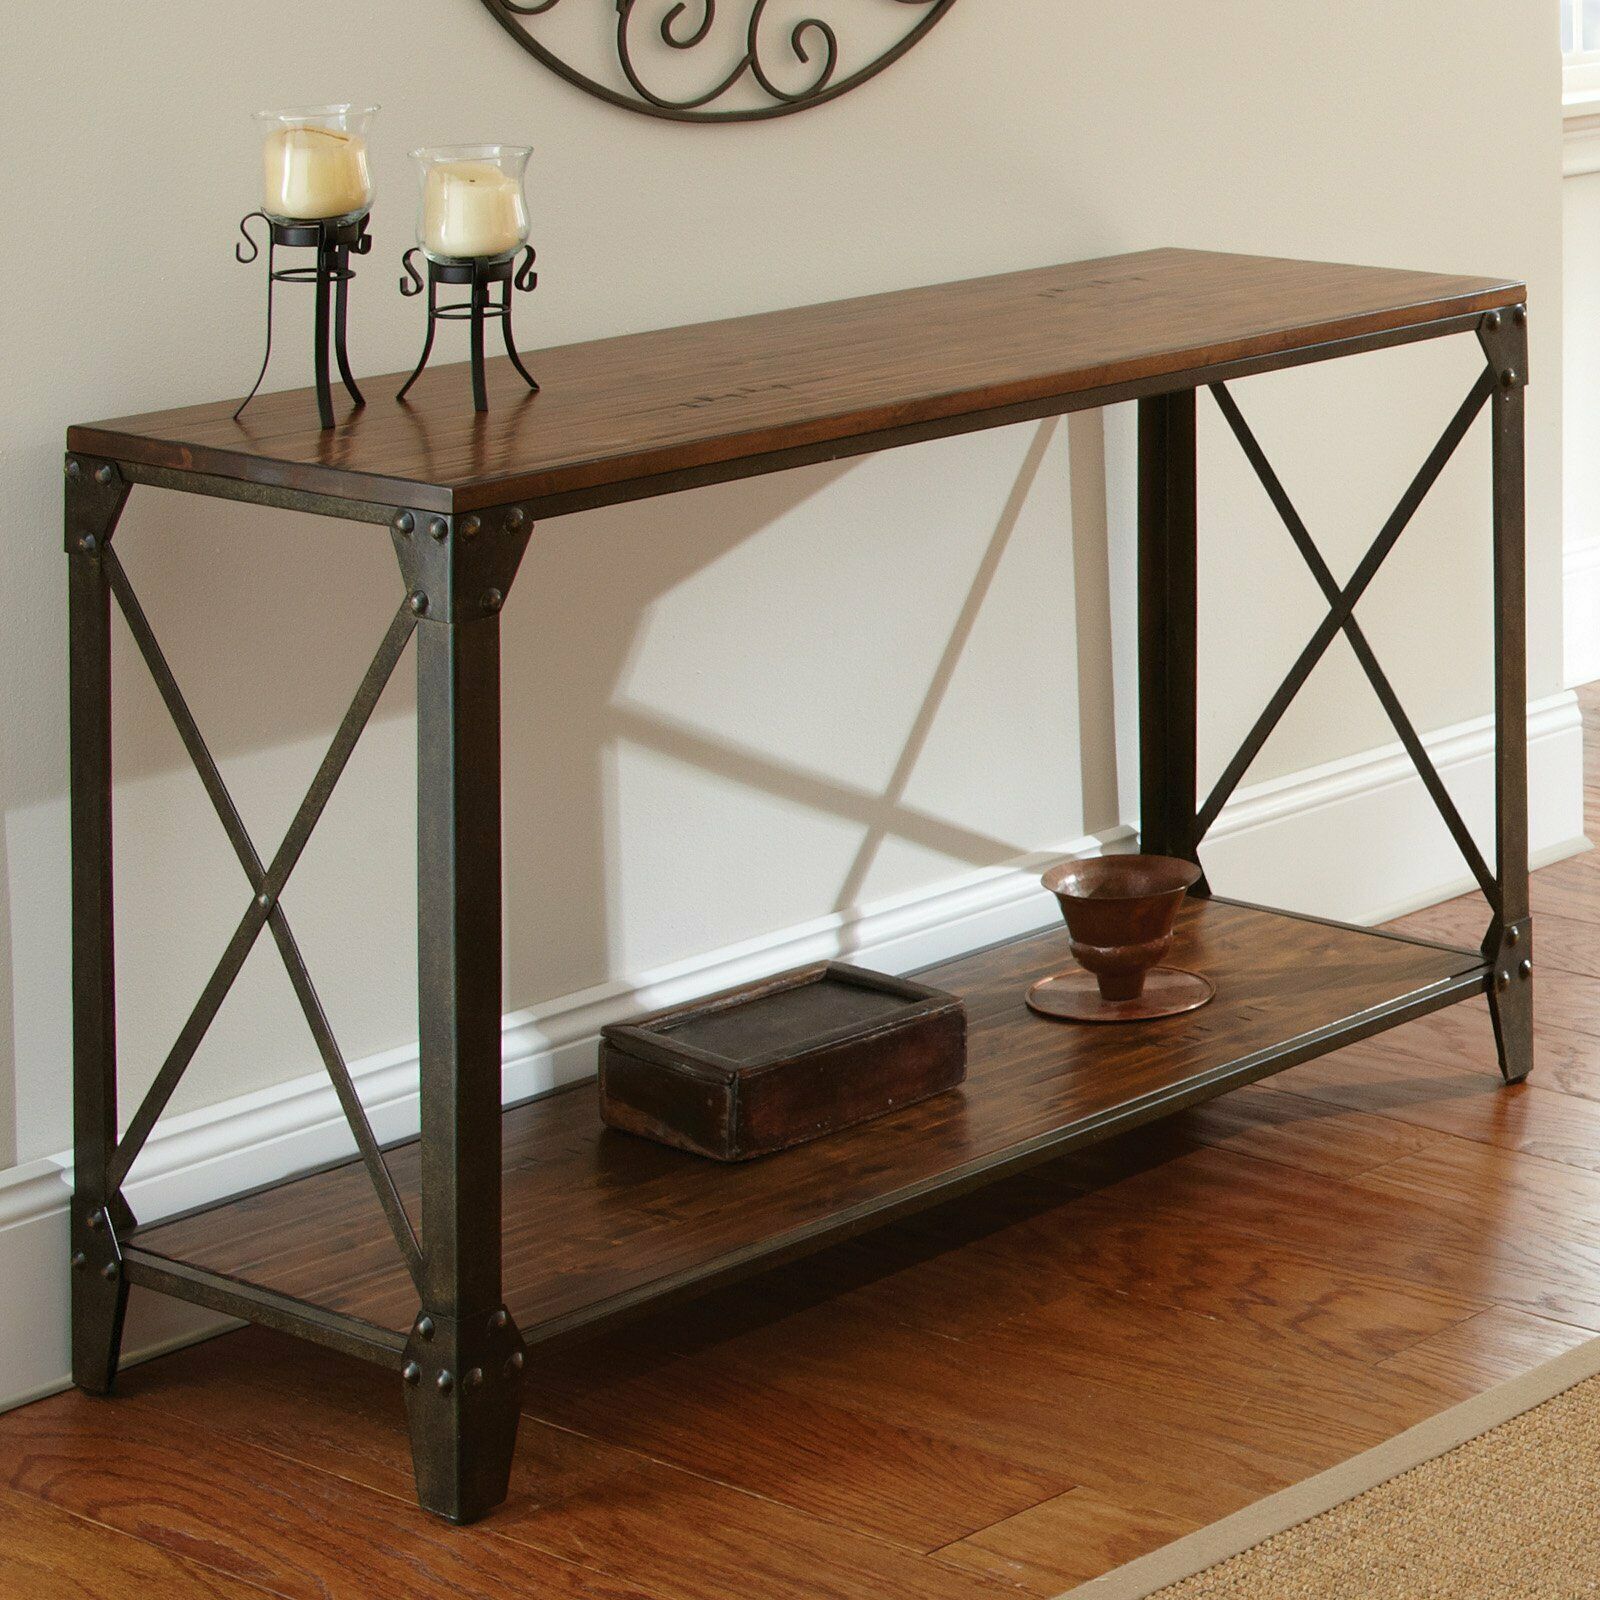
[(649, 413)]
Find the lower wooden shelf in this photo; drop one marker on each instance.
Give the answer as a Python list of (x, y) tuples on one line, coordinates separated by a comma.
[(598, 1223)]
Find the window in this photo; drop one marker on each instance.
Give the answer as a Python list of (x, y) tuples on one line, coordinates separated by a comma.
[(1580, 48), (1580, 29)]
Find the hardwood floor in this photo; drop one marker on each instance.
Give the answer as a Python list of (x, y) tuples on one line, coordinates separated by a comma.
[(1006, 1395)]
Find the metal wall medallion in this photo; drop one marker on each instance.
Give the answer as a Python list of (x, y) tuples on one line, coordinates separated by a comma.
[(681, 60)]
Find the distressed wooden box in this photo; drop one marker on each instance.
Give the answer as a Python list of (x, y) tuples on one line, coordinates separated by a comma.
[(775, 1063)]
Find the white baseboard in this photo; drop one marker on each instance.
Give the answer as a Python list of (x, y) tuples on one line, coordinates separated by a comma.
[(1355, 839), (1580, 604)]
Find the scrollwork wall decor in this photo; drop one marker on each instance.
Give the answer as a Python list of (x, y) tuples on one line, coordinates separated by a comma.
[(745, 68)]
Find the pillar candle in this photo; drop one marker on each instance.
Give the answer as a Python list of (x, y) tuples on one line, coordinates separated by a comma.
[(471, 208), (315, 172)]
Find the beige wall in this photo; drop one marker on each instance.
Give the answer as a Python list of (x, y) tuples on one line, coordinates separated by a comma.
[(745, 707), (1581, 413)]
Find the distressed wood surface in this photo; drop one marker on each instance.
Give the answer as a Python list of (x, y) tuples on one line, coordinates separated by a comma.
[(616, 418), (594, 1216)]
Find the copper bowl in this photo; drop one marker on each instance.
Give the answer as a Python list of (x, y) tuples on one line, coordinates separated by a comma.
[(1120, 912)]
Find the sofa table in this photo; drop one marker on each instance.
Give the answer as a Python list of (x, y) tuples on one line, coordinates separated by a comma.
[(449, 1257)]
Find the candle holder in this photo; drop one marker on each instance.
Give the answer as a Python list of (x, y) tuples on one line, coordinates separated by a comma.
[(1120, 912), (472, 224), (478, 309), (335, 240), (316, 195)]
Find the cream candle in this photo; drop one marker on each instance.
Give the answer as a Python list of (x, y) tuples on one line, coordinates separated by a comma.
[(314, 162), (312, 172), (471, 208)]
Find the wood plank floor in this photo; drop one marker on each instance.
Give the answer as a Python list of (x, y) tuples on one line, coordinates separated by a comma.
[(1003, 1396)]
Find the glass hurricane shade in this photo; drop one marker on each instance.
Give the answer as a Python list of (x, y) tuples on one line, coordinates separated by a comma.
[(470, 203), (314, 163)]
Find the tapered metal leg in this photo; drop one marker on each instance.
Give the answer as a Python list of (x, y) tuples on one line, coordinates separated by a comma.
[(511, 342), (341, 321), (427, 342), (1509, 942), (324, 294), (465, 1356), (266, 355), (480, 303), (95, 495), (1168, 626)]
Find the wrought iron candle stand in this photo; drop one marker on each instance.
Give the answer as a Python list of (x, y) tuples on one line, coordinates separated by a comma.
[(335, 240), (477, 309)]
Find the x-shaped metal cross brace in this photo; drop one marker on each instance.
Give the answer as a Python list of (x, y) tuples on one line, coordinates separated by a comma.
[(1341, 619), (265, 910)]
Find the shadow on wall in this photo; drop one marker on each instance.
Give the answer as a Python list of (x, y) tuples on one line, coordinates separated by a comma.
[(887, 813), (629, 731)]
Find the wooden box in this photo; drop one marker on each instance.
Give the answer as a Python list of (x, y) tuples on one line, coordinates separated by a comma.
[(775, 1063)]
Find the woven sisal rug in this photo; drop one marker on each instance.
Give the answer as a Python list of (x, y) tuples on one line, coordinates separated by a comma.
[(1498, 1498)]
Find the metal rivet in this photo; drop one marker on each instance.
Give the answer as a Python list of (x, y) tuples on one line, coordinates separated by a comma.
[(446, 1383), (1519, 315), (264, 900), (439, 528), (515, 517), (470, 527), (424, 1327), (411, 1372), (73, 468), (110, 1272), (514, 1361), (475, 1378), (493, 600), (94, 1219), (500, 1318), (1492, 322), (1512, 935), (1502, 979), (405, 522), (103, 475), (88, 544), (1526, 969), (418, 602), (79, 1261), (1508, 378)]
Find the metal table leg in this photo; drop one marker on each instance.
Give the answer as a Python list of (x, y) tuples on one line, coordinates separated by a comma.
[(1168, 624), (464, 1357), (1509, 941), (95, 495)]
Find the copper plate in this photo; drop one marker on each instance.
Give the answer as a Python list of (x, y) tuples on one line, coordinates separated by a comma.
[(1075, 997)]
